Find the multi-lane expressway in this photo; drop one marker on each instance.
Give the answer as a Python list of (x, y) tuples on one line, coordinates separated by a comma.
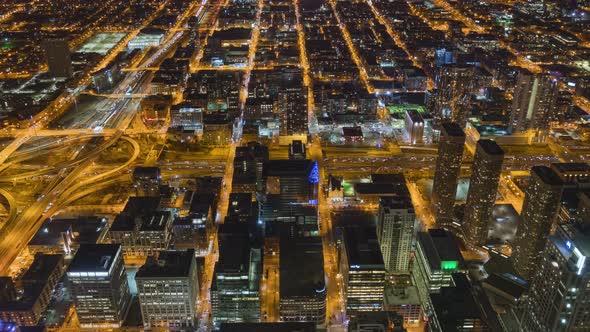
[(72, 181)]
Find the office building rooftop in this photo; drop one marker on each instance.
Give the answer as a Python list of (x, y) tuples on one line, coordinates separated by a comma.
[(441, 250), (362, 247), (95, 258), (168, 264), (302, 257)]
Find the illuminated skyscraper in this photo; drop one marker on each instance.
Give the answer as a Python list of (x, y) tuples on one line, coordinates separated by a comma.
[(362, 268), (57, 51), (437, 258), (293, 111), (483, 185), (448, 165), (541, 204), (454, 88), (168, 288), (534, 102), (559, 293), (395, 232), (235, 289), (98, 282)]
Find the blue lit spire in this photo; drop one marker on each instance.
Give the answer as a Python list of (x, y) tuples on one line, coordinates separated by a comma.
[(314, 175)]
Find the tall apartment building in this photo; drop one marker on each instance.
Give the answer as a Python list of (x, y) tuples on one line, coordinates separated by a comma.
[(534, 102), (446, 176), (362, 268), (455, 84), (292, 106), (248, 165), (98, 282), (481, 197), (59, 59), (541, 204), (395, 231), (559, 294), (168, 289)]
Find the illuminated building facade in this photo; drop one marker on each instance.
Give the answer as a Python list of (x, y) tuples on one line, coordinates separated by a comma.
[(454, 88), (186, 116), (446, 175), (235, 290), (362, 269), (437, 258), (401, 297), (558, 296), (414, 125), (302, 298), (534, 102), (395, 231), (26, 306), (541, 204), (168, 289), (481, 197), (293, 111), (98, 282)]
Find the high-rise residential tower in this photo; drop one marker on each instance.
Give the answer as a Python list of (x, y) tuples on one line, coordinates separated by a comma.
[(541, 204), (454, 88), (558, 296), (395, 232), (534, 102), (446, 176), (481, 196)]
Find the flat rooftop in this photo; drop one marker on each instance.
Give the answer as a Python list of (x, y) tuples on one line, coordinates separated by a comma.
[(380, 188), (288, 168), (490, 147), (452, 129), (86, 230), (141, 205), (400, 295), (42, 267), (123, 222), (362, 247), (169, 264), (156, 221), (146, 172), (547, 175), (234, 251), (95, 257), (440, 246), (301, 257), (101, 42)]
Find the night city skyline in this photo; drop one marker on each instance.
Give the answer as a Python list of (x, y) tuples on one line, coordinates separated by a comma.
[(295, 165)]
